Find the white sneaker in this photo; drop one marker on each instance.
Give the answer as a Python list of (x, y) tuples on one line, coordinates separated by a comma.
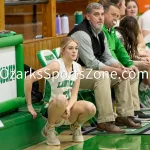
[(76, 134), (51, 136)]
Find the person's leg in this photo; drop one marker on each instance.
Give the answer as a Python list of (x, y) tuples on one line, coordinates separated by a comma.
[(144, 87), (81, 112), (123, 97), (124, 102), (135, 95), (102, 91), (101, 87), (56, 109), (134, 82)]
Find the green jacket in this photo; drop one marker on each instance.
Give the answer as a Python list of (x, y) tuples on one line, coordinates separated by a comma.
[(116, 47)]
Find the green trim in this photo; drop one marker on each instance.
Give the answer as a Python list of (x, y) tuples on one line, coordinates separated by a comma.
[(47, 89), (47, 92), (20, 67), (11, 104), (55, 53), (14, 103), (11, 41), (50, 57), (148, 44), (41, 59)]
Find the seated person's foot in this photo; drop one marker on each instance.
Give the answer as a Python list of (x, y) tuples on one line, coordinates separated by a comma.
[(140, 114), (135, 120), (109, 127), (76, 133), (127, 121)]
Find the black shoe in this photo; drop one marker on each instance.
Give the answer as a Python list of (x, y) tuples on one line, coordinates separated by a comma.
[(94, 124), (83, 129), (140, 114), (134, 120), (127, 121)]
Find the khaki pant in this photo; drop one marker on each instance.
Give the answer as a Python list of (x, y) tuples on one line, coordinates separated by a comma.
[(134, 83), (102, 89)]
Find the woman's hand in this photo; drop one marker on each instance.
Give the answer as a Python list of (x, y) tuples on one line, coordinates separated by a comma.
[(135, 69), (32, 111), (66, 114)]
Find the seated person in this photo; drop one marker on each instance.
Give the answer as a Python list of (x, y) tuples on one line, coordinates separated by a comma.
[(128, 30), (145, 23), (119, 3), (132, 10), (95, 57), (119, 52), (63, 108)]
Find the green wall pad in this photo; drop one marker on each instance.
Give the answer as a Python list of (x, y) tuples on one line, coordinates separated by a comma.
[(11, 104), (20, 131)]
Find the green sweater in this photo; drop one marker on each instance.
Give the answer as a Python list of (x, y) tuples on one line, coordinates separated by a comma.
[(117, 49)]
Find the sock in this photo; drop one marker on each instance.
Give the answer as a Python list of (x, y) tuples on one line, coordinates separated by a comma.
[(76, 125), (49, 126)]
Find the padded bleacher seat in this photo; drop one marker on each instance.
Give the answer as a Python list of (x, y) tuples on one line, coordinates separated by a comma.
[(45, 57)]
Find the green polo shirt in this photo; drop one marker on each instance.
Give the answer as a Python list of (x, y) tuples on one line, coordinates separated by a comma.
[(116, 47)]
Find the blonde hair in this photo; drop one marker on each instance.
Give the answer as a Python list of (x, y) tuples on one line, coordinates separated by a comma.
[(64, 44)]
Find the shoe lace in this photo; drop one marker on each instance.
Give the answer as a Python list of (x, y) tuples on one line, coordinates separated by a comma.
[(76, 131), (50, 131)]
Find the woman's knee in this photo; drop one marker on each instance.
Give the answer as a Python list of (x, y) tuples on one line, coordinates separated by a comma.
[(90, 109), (60, 100)]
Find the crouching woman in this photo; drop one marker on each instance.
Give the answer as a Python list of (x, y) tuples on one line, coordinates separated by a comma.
[(63, 108)]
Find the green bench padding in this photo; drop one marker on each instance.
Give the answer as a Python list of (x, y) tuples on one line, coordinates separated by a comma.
[(13, 104), (20, 130)]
